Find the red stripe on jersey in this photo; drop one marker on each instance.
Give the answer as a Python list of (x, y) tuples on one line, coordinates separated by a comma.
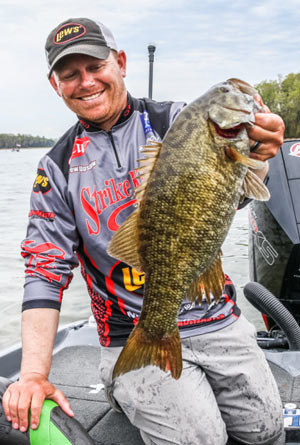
[(110, 285), (61, 291), (89, 281), (90, 258), (108, 312), (121, 304)]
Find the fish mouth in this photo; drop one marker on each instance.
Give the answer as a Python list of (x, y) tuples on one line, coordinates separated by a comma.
[(239, 110), (228, 133)]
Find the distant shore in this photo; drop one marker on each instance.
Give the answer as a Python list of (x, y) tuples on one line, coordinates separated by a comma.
[(24, 148)]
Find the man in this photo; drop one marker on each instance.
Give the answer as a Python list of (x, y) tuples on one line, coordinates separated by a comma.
[(83, 191)]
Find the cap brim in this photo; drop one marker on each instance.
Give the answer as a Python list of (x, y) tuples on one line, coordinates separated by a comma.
[(100, 52)]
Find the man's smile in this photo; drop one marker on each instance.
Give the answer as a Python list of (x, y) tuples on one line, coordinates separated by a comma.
[(91, 97)]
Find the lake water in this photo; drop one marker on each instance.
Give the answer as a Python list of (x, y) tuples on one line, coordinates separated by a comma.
[(17, 173)]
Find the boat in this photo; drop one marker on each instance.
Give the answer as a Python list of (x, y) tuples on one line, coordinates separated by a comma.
[(274, 289)]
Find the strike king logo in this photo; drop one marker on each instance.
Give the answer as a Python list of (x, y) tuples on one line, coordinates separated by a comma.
[(68, 32), (94, 201), (295, 150), (41, 183), (79, 147)]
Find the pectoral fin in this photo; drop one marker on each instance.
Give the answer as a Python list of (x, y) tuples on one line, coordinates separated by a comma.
[(254, 188), (234, 155)]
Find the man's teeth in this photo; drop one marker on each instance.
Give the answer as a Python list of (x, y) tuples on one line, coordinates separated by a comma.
[(94, 96)]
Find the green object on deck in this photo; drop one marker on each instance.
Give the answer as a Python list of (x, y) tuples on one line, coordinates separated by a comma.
[(47, 432)]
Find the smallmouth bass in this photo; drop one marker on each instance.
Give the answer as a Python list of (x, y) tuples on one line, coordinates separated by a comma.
[(192, 184)]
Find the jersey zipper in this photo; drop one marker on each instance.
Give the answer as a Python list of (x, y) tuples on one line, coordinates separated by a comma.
[(114, 148)]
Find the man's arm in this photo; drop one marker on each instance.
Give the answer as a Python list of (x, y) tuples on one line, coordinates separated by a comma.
[(39, 327)]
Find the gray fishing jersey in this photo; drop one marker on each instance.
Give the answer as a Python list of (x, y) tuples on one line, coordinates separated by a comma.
[(84, 190)]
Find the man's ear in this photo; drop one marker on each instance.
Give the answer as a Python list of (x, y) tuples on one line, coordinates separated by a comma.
[(122, 62), (54, 84)]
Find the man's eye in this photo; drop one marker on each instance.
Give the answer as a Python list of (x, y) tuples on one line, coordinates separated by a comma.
[(97, 67), (68, 76)]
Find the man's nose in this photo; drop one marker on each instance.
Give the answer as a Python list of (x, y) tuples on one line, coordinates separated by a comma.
[(87, 80)]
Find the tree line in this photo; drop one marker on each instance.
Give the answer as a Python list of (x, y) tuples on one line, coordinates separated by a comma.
[(283, 97), (24, 140)]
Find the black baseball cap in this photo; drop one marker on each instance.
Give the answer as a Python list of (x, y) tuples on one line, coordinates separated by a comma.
[(78, 36)]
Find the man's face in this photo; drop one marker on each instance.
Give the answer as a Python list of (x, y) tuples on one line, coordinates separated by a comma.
[(93, 88)]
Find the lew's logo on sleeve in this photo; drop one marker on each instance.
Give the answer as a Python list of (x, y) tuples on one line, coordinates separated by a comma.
[(79, 147), (68, 32), (41, 183)]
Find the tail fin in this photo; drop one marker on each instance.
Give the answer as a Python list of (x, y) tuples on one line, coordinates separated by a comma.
[(141, 350)]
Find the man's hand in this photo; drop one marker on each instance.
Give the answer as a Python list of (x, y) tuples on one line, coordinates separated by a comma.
[(268, 130), (39, 327), (29, 393)]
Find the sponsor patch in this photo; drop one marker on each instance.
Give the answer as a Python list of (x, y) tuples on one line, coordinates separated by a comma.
[(82, 168), (68, 32), (42, 258), (94, 202), (49, 216), (41, 183), (79, 147), (295, 150)]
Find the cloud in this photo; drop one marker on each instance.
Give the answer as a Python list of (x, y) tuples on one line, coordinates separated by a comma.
[(198, 44)]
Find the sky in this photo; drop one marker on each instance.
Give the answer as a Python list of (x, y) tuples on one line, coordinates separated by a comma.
[(198, 43)]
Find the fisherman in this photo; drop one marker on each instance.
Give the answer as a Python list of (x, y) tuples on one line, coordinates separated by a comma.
[(83, 191)]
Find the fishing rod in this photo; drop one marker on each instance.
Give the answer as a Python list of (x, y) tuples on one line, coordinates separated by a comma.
[(151, 51)]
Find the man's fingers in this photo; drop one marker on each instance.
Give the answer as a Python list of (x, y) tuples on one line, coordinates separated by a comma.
[(5, 403), (23, 410), (261, 156), (36, 408), (269, 131), (61, 400), (268, 121), (13, 408), (17, 403), (259, 100)]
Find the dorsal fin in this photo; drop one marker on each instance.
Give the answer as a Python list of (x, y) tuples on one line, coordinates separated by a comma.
[(124, 243), (147, 163)]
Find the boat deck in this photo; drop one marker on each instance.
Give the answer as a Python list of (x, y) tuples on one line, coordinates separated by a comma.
[(75, 371)]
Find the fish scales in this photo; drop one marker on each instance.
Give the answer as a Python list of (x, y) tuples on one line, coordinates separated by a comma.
[(184, 215), (178, 234)]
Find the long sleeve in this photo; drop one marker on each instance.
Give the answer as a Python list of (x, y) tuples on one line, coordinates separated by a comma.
[(51, 240)]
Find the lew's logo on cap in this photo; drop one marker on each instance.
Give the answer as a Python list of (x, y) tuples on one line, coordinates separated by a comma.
[(295, 150), (69, 32)]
